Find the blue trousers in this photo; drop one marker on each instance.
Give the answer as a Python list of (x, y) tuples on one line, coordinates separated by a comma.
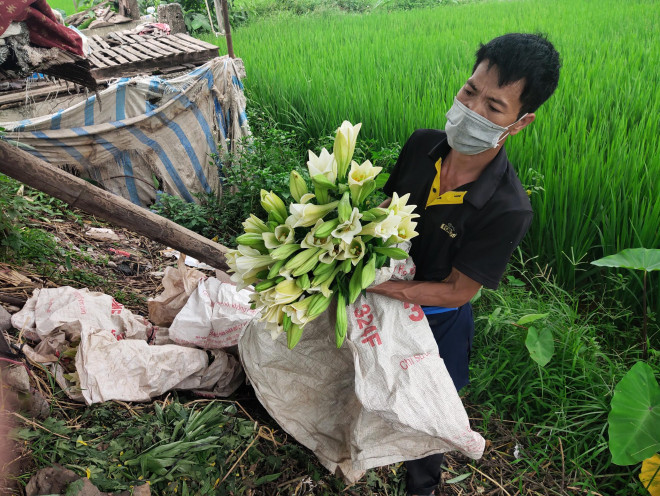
[(454, 332)]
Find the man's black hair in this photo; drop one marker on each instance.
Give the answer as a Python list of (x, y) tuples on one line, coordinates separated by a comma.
[(530, 57)]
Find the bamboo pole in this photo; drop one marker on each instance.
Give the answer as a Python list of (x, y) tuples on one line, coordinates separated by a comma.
[(225, 17), (116, 210)]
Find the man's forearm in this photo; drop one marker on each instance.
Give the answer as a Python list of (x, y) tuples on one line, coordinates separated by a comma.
[(454, 291)]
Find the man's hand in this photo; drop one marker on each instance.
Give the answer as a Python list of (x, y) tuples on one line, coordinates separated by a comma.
[(456, 290)]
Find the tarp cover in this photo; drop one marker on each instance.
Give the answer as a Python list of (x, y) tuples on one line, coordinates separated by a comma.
[(147, 134)]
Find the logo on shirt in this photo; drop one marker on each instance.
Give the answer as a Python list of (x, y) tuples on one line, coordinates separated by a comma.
[(449, 229)]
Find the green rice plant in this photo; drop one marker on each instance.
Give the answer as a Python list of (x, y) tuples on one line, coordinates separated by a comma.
[(595, 143)]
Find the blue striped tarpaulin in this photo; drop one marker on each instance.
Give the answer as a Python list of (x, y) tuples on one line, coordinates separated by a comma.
[(146, 134)]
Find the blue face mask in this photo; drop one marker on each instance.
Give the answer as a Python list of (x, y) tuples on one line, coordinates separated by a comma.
[(470, 133)]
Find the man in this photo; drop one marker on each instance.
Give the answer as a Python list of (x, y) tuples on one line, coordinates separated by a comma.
[(473, 209)]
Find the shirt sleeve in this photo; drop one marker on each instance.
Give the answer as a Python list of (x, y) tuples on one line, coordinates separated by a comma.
[(486, 251)]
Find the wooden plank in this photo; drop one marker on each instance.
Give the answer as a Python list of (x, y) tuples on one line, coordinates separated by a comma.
[(127, 53), (145, 52), (95, 61), (137, 53), (164, 51), (100, 41), (127, 38), (116, 54), (174, 46), (106, 61), (115, 38), (195, 41), (80, 194)]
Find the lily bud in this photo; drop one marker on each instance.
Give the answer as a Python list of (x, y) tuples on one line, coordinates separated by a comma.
[(344, 147), (344, 208), (297, 185), (274, 205)]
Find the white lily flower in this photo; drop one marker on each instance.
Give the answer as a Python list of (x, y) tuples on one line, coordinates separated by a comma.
[(355, 250), (406, 230), (273, 316), (298, 311), (388, 227), (306, 197), (361, 177), (287, 291), (344, 146), (311, 241), (399, 207), (246, 262), (305, 215), (347, 230), (335, 252), (324, 164), (283, 235)]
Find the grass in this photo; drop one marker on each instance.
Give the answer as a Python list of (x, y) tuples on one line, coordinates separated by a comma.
[(593, 148), (560, 410), (67, 6)]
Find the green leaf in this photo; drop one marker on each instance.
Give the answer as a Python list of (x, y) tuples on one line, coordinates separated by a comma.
[(634, 420), (74, 488), (266, 478), (381, 179), (540, 344), (632, 258), (459, 478), (532, 317)]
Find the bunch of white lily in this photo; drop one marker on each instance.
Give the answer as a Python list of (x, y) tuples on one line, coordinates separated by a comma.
[(324, 246)]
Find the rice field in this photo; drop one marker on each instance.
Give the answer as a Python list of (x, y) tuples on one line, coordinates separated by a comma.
[(593, 147)]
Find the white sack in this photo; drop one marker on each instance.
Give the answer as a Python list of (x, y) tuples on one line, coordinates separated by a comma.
[(131, 370), (69, 310), (178, 282), (114, 358), (383, 397), (213, 317)]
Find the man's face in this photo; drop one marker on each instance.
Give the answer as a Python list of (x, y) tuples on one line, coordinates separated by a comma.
[(501, 105)]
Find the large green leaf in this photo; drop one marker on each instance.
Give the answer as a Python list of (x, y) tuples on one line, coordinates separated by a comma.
[(634, 420), (540, 344), (632, 258), (532, 317)]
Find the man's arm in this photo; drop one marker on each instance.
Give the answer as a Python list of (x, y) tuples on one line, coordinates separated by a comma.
[(456, 290)]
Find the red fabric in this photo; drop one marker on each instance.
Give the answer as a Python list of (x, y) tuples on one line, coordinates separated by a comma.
[(44, 29)]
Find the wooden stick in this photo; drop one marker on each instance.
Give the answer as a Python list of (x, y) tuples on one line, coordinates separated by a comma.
[(490, 479), (116, 210), (38, 425), (225, 17)]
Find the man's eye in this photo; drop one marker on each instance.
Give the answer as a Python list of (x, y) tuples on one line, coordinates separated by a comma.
[(467, 92), (493, 109)]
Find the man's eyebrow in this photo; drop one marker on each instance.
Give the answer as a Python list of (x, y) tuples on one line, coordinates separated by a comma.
[(502, 103), (498, 101)]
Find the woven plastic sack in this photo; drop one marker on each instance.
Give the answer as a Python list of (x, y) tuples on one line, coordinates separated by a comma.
[(385, 396), (213, 317)]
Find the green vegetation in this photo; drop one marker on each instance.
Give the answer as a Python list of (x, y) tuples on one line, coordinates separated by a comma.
[(199, 447), (592, 150), (560, 410)]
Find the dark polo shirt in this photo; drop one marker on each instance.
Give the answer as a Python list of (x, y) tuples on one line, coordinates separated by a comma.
[(479, 235)]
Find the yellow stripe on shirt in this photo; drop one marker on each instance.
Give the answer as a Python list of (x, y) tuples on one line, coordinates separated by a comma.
[(448, 198)]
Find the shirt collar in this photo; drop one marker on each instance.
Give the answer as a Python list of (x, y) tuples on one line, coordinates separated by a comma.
[(484, 187)]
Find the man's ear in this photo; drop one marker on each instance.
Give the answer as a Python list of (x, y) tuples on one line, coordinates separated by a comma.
[(522, 124)]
